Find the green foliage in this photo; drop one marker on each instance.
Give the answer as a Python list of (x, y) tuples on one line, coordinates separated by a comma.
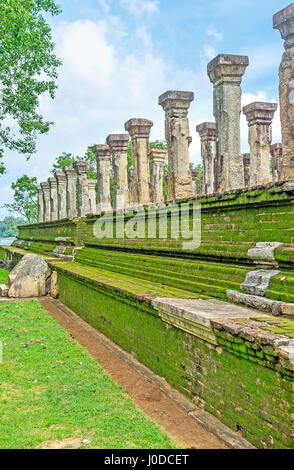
[(25, 198), (199, 180), (28, 69), (8, 226), (3, 276), (52, 390), (67, 159)]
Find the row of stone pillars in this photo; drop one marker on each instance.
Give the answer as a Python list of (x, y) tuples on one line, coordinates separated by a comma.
[(70, 194), (224, 167)]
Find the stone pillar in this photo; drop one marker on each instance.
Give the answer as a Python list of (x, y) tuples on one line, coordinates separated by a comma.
[(284, 22), (157, 159), (177, 134), (40, 205), (61, 190), (246, 165), (259, 117), (47, 205), (102, 153), (195, 174), (226, 72), (277, 163), (118, 144), (71, 191), (82, 168), (207, 132), (92, 196), (131, 185), (139, 130), (53, 198)]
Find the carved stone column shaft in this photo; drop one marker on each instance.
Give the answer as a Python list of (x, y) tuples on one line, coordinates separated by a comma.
[(82, 169), (102, 153), (40, 205), (47, 203), (177, 133), (53, 198), (226, 72), (207, 132), (277, 163), (157, 159), (259, 117), (118, 144), (71, 191)]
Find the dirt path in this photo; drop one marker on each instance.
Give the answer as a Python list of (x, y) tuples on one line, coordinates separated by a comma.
[(172, 419)]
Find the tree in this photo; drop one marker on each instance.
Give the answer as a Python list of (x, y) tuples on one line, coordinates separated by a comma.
[(25, 198), (28, 68), (67, 159)]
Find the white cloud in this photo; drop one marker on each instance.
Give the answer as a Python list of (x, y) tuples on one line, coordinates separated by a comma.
[(143, 34), (141, 7), (209, 51), (212, 31)]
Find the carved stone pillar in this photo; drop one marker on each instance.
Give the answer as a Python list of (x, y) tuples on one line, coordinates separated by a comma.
[(207, 132), (47, 203), (259, 117), (61, 190), (102, 153), (226, 72), (284, 22), (177, 133), (82, 168), (131, 185), (40, 205), (246, 165), (139, 130), (92, 196), (157, 159), (277, 162), (71, 191), (118, 144), (53, 198)]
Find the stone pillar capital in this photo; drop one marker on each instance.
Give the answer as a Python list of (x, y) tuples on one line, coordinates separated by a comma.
[(92, 184), (261, 113), (70, 171), (45, 186), (40, 189), (139, 128), (176, 103), (158, 154), (52, 182), (118, 142), (207, 131), (60, 177), (102, 151), (284, 22), (82, 167), (227, 69), (276, 150)]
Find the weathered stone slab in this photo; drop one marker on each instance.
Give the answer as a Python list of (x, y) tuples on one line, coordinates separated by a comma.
[(264, 253), (254, 301), (257, 282), (246, 164), (29, 277)]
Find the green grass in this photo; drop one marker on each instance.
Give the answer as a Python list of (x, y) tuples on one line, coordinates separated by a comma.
[(3, 276), (52, 390)]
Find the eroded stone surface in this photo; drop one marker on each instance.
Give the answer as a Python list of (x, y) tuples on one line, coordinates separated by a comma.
[(40, 205), (118, 144), (71, 191), (139, 130), (92, 196), (277, 162), (259, 116), (29, 277), (226, 72), (264, 253), (54, 285), (257, 282), (246, 165), (61, 190), (47, 203), (82, 168), (102, 152), (207, 132), (157, 159), (284, 22), (53, 198), (254, 301), (177, 133)]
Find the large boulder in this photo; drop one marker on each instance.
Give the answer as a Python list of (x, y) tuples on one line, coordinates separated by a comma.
[(29, 277)]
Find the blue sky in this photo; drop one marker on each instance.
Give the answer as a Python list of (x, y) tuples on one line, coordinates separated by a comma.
[(120, 55)]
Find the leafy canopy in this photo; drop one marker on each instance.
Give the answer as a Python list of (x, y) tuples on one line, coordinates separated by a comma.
[(25, 198), (67, 159), (28, 68)]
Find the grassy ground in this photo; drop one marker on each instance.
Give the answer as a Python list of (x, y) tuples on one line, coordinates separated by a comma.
[(52, 390), (3, 276)]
